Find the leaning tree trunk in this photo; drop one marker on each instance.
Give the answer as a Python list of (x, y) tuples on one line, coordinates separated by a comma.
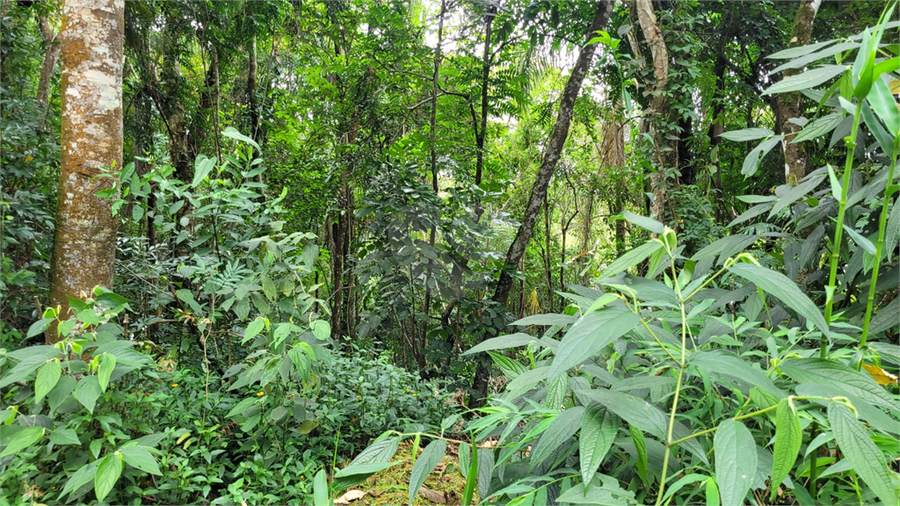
[(51, 54), (796, 160), (84, 250), (548, 165)]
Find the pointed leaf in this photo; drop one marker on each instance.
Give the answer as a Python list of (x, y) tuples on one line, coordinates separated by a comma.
[(805, 80), (105, 370), (644, 222), (139, 457), (867, 460), (747, 134), (23, 439), (502, 342), (735, 453), (786, 290), (788, 438), (46, 379), (563, 427), (431, 457), (826, 372), (320, 489), (589, 335), (751, 161), (253, 328), (632, 258), (87, 391), (598, 430), (108, 473)]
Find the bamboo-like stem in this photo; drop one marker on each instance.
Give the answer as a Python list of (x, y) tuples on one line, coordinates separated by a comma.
[(839, 228), (879, 246)]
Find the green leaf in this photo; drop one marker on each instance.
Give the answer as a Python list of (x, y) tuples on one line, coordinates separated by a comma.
[(867, 460), (589, 335), (502, 343), (712, 493), (431, 457), (863, 243), (884, 105), (24, 368), (471, 475), (88, 316), (485, 457), (878, 131), (64, 437), (105, 369), (795, 52), (363, 470), (64, 387), (83, 476), (796, 193), (640, 444), (563, 427), (253, 328), (751, 161), (321, 329), (47, 377), (139, 457), (320, 489), (232, 133), (826, 372), (548, 319), (785, 289), (806, 80), (25, 438), (632, 258), (735, 453), (819, 127), (598, 430), (682, 482), (788, 438), (747, 134), (108, 473), (644, 222), (721, 363), (609, 493), (202, 167), (87, 391), (645, 416)]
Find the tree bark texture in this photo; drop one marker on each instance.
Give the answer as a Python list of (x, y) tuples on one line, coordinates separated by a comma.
[(796, 161), (84, 250), (552, 153)]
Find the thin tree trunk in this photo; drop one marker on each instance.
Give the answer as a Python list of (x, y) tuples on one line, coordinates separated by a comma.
[(481, 133), (84, 249), (252, 105), (548, 269), (51, 54), (548, 165), (717, 127), (796, 160)]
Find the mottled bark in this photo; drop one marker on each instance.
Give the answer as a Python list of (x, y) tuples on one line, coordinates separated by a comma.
[(85, 245), (796, 161), (663, 151), (51, 54)]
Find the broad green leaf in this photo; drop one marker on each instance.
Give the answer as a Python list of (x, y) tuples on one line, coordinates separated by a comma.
[(253, 328), (64, 387), (608, 493), (321, 329), (722, 363), (867, 460), (46, 379), (320, 489), (796, 193), (690, 479), (87, 391), (819, 127), (38, 327), (563, 427), (88, 316), (864, 66), (485, 470), (796, 52), (203, 165), (645, 416), (25, 368), (108, 473), (378, 452), (363, 469), (806, 80), (785, 289), (863, 243), (502, 342), (598, 430), (878, 131), (812, 57), (471, 475), (548, 319), (25, 438), (589, 335), (83, 476), (139, 457), (64, 437), (556, 391), (644, 222), (828, 373), (632, 258), (232, 133), (640, 444), (747, 134), (751, 161), (735, 453), (712, 493), (105, 369), (884, 105), (788, 438), (431, 456)]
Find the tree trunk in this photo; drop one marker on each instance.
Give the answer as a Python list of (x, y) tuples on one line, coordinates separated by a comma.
[(663, 151), (51, 54), (796, 160), (717, 127), (548, 165), (481, 133), (84, 250), (252, 105)]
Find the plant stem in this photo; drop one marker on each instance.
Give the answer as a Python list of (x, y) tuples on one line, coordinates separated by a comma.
[(879, 247), (839, 228)]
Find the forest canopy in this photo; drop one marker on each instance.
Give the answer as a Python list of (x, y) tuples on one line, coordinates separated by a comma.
[(449, 252)]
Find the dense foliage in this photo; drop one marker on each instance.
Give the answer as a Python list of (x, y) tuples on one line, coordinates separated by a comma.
[(320, 202)]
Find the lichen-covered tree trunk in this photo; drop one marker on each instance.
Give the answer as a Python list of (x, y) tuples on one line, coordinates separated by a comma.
[(788, 104), (92, 50)]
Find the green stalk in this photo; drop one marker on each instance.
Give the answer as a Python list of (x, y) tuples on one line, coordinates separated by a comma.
[(879, 246), (839, 228)]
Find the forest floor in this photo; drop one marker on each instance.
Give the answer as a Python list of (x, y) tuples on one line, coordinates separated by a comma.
[(443, 486)]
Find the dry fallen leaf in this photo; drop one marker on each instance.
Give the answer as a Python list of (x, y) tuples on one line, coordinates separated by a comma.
[(350, 496), (880, 376), (437, 496)]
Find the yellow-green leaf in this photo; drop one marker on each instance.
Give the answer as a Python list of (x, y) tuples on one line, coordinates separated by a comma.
[(788, 437)]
